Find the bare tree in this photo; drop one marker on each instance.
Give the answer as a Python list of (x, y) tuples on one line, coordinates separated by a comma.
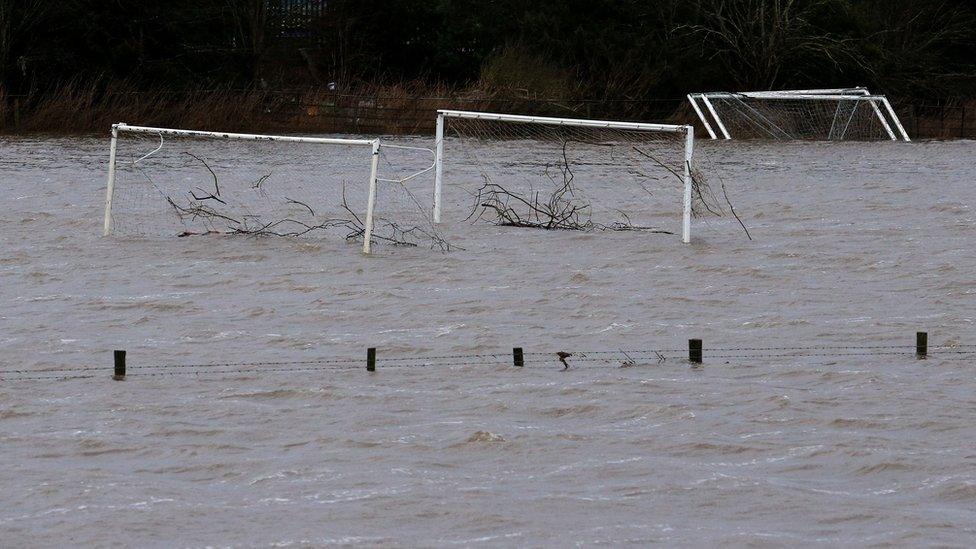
[(17, 19), (250, 22), (759, 40), (908, 51)]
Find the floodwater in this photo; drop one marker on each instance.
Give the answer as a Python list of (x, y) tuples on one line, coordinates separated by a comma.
[(853, 245)]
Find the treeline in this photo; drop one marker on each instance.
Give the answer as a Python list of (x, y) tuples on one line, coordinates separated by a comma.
[(550, 49)]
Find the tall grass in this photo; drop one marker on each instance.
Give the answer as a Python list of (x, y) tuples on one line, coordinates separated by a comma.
[(86, 107), (4, 108), (403, 107), (516, 72), (81, 107), (368, 108)]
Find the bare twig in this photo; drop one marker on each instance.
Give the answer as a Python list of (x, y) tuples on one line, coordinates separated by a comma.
[(300, 203), (207, 196), (257, 184), (732, 209), (629, 363), (209, 169)]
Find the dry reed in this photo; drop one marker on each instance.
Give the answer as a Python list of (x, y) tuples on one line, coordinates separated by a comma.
[(376, 109)]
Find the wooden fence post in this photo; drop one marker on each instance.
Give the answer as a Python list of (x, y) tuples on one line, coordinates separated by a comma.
[(921, 344), (962, 123), (915, 116), (119, 374), (695, 351)]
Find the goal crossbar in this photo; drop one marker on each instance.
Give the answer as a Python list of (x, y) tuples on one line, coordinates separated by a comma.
[(811, 96), (712, 121), (578, 122), (687, 131), (825, 91), (374, 144), (241, 136)]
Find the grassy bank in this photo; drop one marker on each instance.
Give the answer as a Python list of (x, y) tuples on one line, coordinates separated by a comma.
[(406, 108)]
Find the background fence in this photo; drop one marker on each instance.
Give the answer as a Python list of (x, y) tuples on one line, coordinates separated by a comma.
[(396, 113), (925, 120), (404, 115)]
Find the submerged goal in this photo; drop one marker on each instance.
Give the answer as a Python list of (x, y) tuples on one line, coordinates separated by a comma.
[(175, 182), (592, 173), (826, 114)]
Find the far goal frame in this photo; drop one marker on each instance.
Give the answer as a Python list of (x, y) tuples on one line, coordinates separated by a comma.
[(687, 130), (882, 108), (120, 128)]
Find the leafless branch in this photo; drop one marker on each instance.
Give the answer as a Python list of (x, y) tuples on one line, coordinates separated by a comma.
[(195, 209), (257, 184), (209, 169), (732, 209), (300, 203)]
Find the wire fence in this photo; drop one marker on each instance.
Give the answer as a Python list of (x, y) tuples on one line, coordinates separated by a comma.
[(695, 355), (405, 113)]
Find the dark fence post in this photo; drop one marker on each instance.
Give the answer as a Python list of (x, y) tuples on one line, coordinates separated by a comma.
[(695, 351), (119, 366), (517, 357), (915, 116), (371, 359), (921, 344), (962, 122)]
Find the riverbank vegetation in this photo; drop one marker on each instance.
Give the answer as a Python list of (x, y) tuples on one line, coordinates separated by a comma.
[(79, 65)]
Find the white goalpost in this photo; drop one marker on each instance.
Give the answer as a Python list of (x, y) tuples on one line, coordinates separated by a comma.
[(618, 175), (164, 181), (824, 114)]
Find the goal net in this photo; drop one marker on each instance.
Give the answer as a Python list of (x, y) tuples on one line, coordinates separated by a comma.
[(558, 173), (835, 114), (167, 182)]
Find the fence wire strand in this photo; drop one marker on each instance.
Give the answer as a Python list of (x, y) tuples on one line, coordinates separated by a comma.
[(621, 358)]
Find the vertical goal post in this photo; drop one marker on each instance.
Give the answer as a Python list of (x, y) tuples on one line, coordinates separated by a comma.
[(122, 128), (680, 131), (717, 123)]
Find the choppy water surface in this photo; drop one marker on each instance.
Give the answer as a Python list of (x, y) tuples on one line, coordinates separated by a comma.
[(855, 244)]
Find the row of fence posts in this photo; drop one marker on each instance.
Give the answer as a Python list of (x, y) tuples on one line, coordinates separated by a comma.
[(695, 355)]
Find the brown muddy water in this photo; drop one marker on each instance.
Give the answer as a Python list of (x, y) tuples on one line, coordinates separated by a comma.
[(854, 245)]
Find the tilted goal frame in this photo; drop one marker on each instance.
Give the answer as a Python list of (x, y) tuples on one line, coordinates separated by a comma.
[(688, 131), (374, 144), (882, 108)]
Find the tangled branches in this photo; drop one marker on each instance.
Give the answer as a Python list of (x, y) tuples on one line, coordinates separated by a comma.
[(702, 198), (195, 211), (217, 213), (563, 208), (560, 211)]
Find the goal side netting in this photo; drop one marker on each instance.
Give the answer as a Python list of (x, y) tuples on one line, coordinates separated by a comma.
[(169, 182), (555, 173), (831, 115)]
